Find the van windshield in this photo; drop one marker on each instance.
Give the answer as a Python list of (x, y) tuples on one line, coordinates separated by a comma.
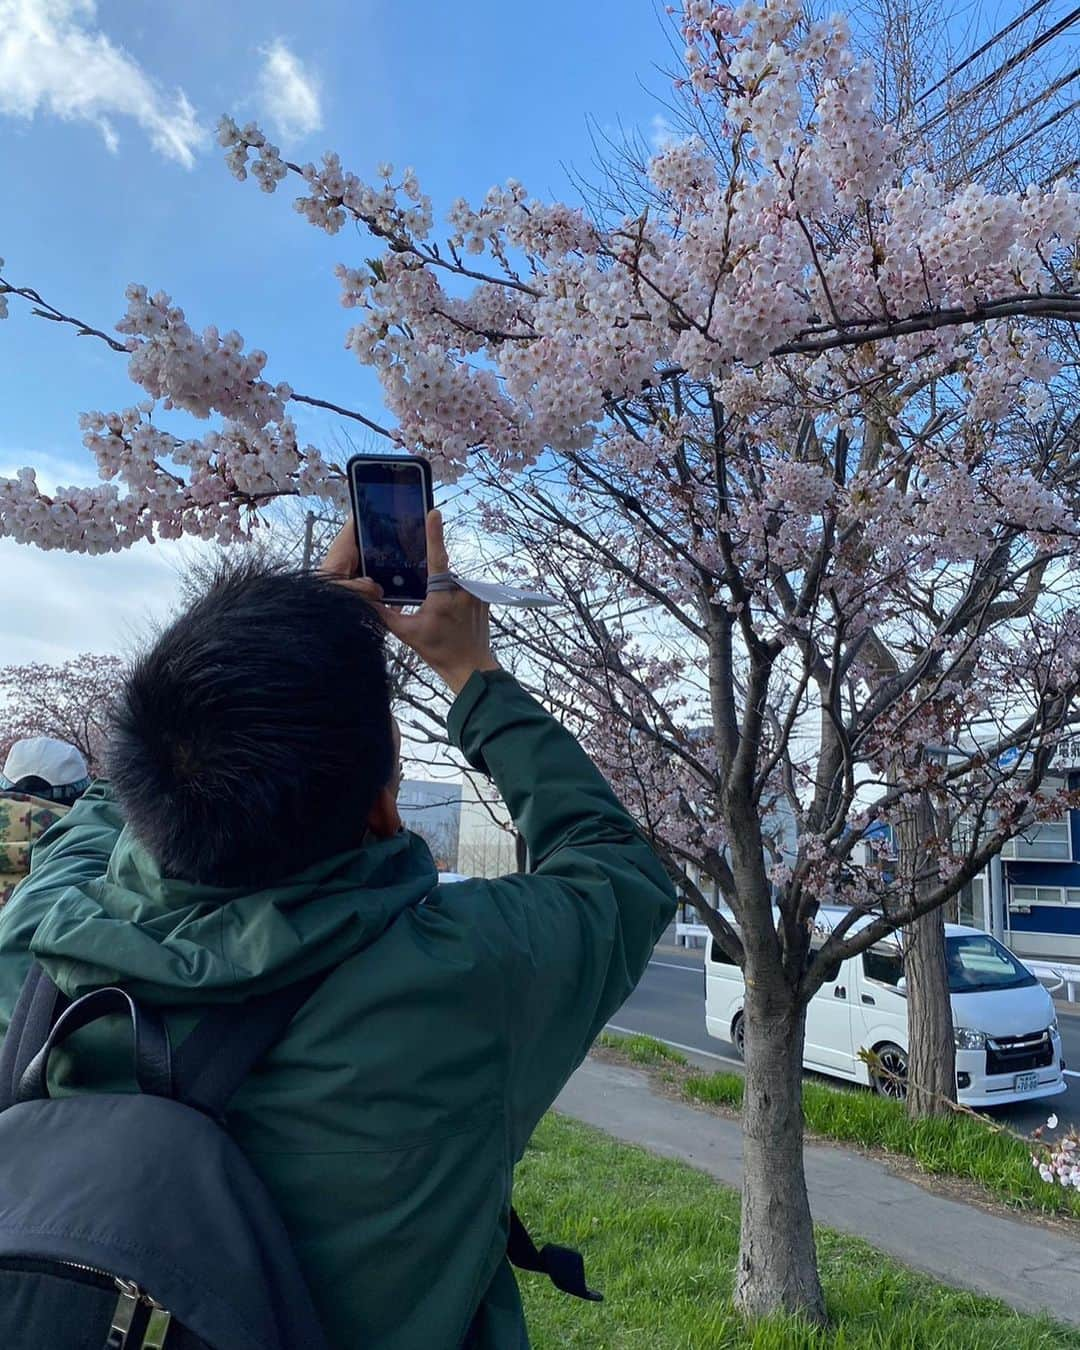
[(975, 963), (979, 962)]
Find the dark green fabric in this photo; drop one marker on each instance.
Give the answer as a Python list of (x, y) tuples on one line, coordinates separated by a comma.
[(387, 1122)]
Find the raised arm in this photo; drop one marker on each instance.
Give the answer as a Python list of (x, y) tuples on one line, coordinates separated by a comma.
[(570, 940), (574, 936)]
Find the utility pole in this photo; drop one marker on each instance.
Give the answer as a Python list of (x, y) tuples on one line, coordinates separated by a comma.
[(309, 540)]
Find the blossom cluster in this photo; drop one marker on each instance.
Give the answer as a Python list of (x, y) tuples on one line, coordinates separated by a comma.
[(572, 318), (1058, 1161), (816, 258), (209, 487)]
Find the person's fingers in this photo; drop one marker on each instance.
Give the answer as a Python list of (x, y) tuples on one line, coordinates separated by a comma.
[(436, 544), (369, 589), (365, 588), (342, 557), (393, 619)]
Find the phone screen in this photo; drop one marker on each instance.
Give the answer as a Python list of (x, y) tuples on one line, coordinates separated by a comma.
[(390, 503)]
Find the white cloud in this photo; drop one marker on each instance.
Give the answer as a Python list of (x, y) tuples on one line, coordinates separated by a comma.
[(54, 61), (662, 135), (59, 604), (288, 92)]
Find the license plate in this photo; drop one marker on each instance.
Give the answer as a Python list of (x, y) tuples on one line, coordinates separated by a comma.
[(1025, 1082)]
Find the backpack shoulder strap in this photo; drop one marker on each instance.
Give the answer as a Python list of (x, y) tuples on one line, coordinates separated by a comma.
[(39, 1004), (226, 1045), (563, 1266)]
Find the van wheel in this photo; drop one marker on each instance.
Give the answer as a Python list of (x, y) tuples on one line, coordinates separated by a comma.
[(890, 1079), (738, 1035)]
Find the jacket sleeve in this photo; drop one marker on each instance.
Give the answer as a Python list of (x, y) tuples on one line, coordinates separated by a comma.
[(574, 936), (73, 851)]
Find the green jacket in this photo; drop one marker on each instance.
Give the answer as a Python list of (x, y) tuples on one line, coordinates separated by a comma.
[(387, 1122)]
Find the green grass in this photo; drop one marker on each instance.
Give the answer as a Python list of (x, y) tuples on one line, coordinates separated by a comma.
[(950, 1146), (660, 1240), (642, 1049)]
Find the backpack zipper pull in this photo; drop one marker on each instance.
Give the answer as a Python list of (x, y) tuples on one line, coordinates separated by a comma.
[(157, 1328), (123, 1315)]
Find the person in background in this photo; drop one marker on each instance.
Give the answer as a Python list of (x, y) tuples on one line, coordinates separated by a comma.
[(42, 779)]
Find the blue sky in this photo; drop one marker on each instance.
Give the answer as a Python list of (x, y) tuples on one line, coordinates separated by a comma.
[(111, 174)]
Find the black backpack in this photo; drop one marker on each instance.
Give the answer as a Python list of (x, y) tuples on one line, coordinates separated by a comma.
[(133, 1221)]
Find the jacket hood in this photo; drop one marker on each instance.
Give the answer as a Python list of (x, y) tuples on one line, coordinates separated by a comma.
[(173, 942)]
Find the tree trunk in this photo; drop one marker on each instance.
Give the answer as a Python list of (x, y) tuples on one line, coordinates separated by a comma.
[(777, 1269), (931, 1073), (932, 1051)]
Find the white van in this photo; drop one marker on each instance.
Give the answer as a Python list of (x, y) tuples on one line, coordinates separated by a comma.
[(1007, 1043)]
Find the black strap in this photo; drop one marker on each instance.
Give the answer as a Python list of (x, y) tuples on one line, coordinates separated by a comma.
[(206, 1071), (32, 1019), (229, 1041), (153, 1061), (564, 1267)]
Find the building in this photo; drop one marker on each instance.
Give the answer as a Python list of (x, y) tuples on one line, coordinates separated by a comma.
[(433, 811), (1030, 896), (487, 841)]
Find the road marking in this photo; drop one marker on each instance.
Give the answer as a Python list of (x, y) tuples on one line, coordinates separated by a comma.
[(676, 1045), (1070, 1073), (673, 965)]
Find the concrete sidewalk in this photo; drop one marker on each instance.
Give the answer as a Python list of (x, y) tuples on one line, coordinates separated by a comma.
[(1029, 1266)]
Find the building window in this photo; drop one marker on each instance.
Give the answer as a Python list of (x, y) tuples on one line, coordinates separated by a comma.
[(1021, 898), (971, 905), (1049, 841)]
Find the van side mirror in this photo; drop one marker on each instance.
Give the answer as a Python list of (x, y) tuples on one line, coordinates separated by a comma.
[(901, 986)]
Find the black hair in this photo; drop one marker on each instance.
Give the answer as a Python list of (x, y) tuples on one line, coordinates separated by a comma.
[(254, 736)]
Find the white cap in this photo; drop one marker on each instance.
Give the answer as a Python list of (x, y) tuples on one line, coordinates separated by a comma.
[(60, 764)]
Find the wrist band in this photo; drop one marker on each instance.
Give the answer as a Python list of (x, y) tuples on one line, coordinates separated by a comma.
[(443, 581)]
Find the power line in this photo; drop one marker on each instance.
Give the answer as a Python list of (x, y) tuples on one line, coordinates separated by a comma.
[(990, 42), (1040, 97), (1043, 126), (952, 106)]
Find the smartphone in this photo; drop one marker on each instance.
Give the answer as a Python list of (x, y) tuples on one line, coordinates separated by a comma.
[(391, 497)]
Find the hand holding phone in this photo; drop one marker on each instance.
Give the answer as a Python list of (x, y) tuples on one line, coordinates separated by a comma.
[(392, 496), (450, 630)]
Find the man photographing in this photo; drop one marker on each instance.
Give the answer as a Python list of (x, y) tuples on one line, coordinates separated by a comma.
[(249, 839)]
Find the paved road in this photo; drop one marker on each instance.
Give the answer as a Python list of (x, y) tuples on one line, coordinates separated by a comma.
[(669, 1003)]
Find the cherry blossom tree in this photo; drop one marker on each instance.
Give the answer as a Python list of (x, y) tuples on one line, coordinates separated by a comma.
[(806, 389), (1000, 113), (69, 701)]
